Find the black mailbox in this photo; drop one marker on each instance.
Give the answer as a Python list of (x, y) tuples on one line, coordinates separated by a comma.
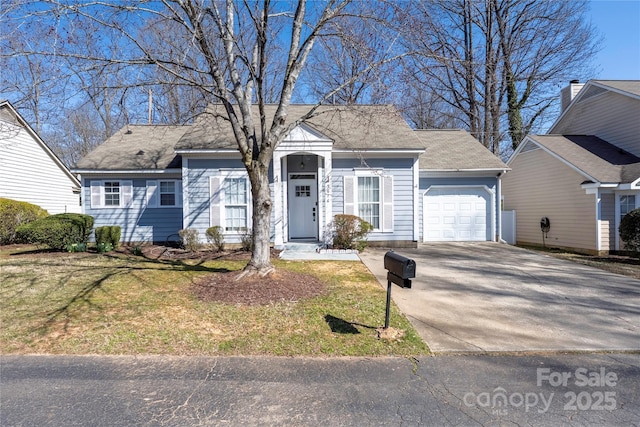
[(399, 269)]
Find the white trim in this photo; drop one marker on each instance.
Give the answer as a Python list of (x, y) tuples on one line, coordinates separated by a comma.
[(185, 192), (154, 193), (317, 201), (125, 193), (128, 172), (416, 201)]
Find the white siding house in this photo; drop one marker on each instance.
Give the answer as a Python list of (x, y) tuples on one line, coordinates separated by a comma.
[(30, 171)]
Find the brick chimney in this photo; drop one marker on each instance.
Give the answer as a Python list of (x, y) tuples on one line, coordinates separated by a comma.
[(568, 93)]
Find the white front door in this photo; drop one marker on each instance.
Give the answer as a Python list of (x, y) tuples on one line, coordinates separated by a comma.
[(303, 206)]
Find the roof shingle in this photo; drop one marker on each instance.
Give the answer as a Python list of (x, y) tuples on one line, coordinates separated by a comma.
[(455, 150), (597, 158)]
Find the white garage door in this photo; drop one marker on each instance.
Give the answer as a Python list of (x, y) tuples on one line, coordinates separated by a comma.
[(457, 215)]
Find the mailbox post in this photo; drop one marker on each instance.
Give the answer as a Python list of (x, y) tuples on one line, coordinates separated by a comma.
[(400, 270)]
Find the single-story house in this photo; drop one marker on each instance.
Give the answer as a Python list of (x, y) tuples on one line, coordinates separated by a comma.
[(584, 174), (30, 171), (363, 160)]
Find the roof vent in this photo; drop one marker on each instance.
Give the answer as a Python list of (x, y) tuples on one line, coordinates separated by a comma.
[(128, 132), (140, 153)]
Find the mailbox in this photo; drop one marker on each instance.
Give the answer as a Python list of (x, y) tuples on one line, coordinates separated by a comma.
[(399, 269)]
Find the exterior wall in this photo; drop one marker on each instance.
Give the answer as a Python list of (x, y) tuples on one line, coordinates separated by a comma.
[(28, 173), (542, 186), (425, 183), (198, 173), (402, 172), (607, 222), (138, 223), (609, 116)]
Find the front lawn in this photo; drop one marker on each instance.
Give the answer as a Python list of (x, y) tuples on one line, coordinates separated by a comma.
[(85, 303)]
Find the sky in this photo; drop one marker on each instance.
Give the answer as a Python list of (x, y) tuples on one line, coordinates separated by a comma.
[(618, 22)]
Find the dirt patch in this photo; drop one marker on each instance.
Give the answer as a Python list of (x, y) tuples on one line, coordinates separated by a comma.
[(280, 286)]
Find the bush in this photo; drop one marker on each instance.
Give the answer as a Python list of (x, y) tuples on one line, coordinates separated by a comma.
[(349, 232), (246, 240), (215, 238), (13, 214), (57, 231), (190, 239), (630, 230), (104, 247), (108, 234)]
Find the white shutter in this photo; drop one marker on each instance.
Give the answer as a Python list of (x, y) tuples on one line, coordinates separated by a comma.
[(152, 194), (127, 193), (387, 203), (349, 195), (178, 193), (216, 201), (96, 194)]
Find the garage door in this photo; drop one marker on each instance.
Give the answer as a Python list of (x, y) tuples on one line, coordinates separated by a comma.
[(456, 215)]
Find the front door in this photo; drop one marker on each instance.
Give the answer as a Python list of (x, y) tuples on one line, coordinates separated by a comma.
[(303, 206)]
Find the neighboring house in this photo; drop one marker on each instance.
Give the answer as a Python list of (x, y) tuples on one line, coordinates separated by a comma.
[(30, 171), (362, 160), (584, 175)]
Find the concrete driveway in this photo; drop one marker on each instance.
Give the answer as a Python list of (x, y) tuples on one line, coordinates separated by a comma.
[(487, 297)]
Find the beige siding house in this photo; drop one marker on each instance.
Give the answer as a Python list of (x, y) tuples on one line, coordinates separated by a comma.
[(30, 171), (584, 175)]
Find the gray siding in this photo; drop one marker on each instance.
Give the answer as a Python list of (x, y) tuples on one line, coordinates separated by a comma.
[(401, 170), (138, 223), (425, 183)]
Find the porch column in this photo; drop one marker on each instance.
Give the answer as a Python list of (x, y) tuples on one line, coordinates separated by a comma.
[(277, 200), (328, 198)]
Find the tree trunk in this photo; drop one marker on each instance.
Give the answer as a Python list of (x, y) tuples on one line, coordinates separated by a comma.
[(260, 262)]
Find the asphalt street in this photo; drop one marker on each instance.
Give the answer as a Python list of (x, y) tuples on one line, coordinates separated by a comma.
[(469, 390)]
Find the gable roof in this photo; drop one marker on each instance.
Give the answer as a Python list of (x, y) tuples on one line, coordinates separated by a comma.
[(357, 127), (137, 147), (628, 88), (455, 150), (595, 158), (10, 115)]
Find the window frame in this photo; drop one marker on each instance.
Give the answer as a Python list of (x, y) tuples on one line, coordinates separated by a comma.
[(154, 193), (98, 193), (226, 204)]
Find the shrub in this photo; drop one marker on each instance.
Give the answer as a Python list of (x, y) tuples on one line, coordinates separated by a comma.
[(104, 247), (108, 234), (190, 239), (77, 247), (57, 231), (215, 237), (246, 240), (349, 232), (630, 230), (13, 214)]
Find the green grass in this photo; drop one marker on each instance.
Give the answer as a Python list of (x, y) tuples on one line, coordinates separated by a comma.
[(82, 303)]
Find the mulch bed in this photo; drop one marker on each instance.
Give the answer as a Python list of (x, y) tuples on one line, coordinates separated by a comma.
[(279, 286)]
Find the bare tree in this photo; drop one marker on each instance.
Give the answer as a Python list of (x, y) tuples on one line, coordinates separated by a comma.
[(500, 62), (224, 49)]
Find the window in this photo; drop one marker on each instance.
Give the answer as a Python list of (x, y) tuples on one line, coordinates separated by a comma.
[(111, 193), (236, 204), (164, 193), (369, 195), (167, 193), (369, 199), (627, 204)]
